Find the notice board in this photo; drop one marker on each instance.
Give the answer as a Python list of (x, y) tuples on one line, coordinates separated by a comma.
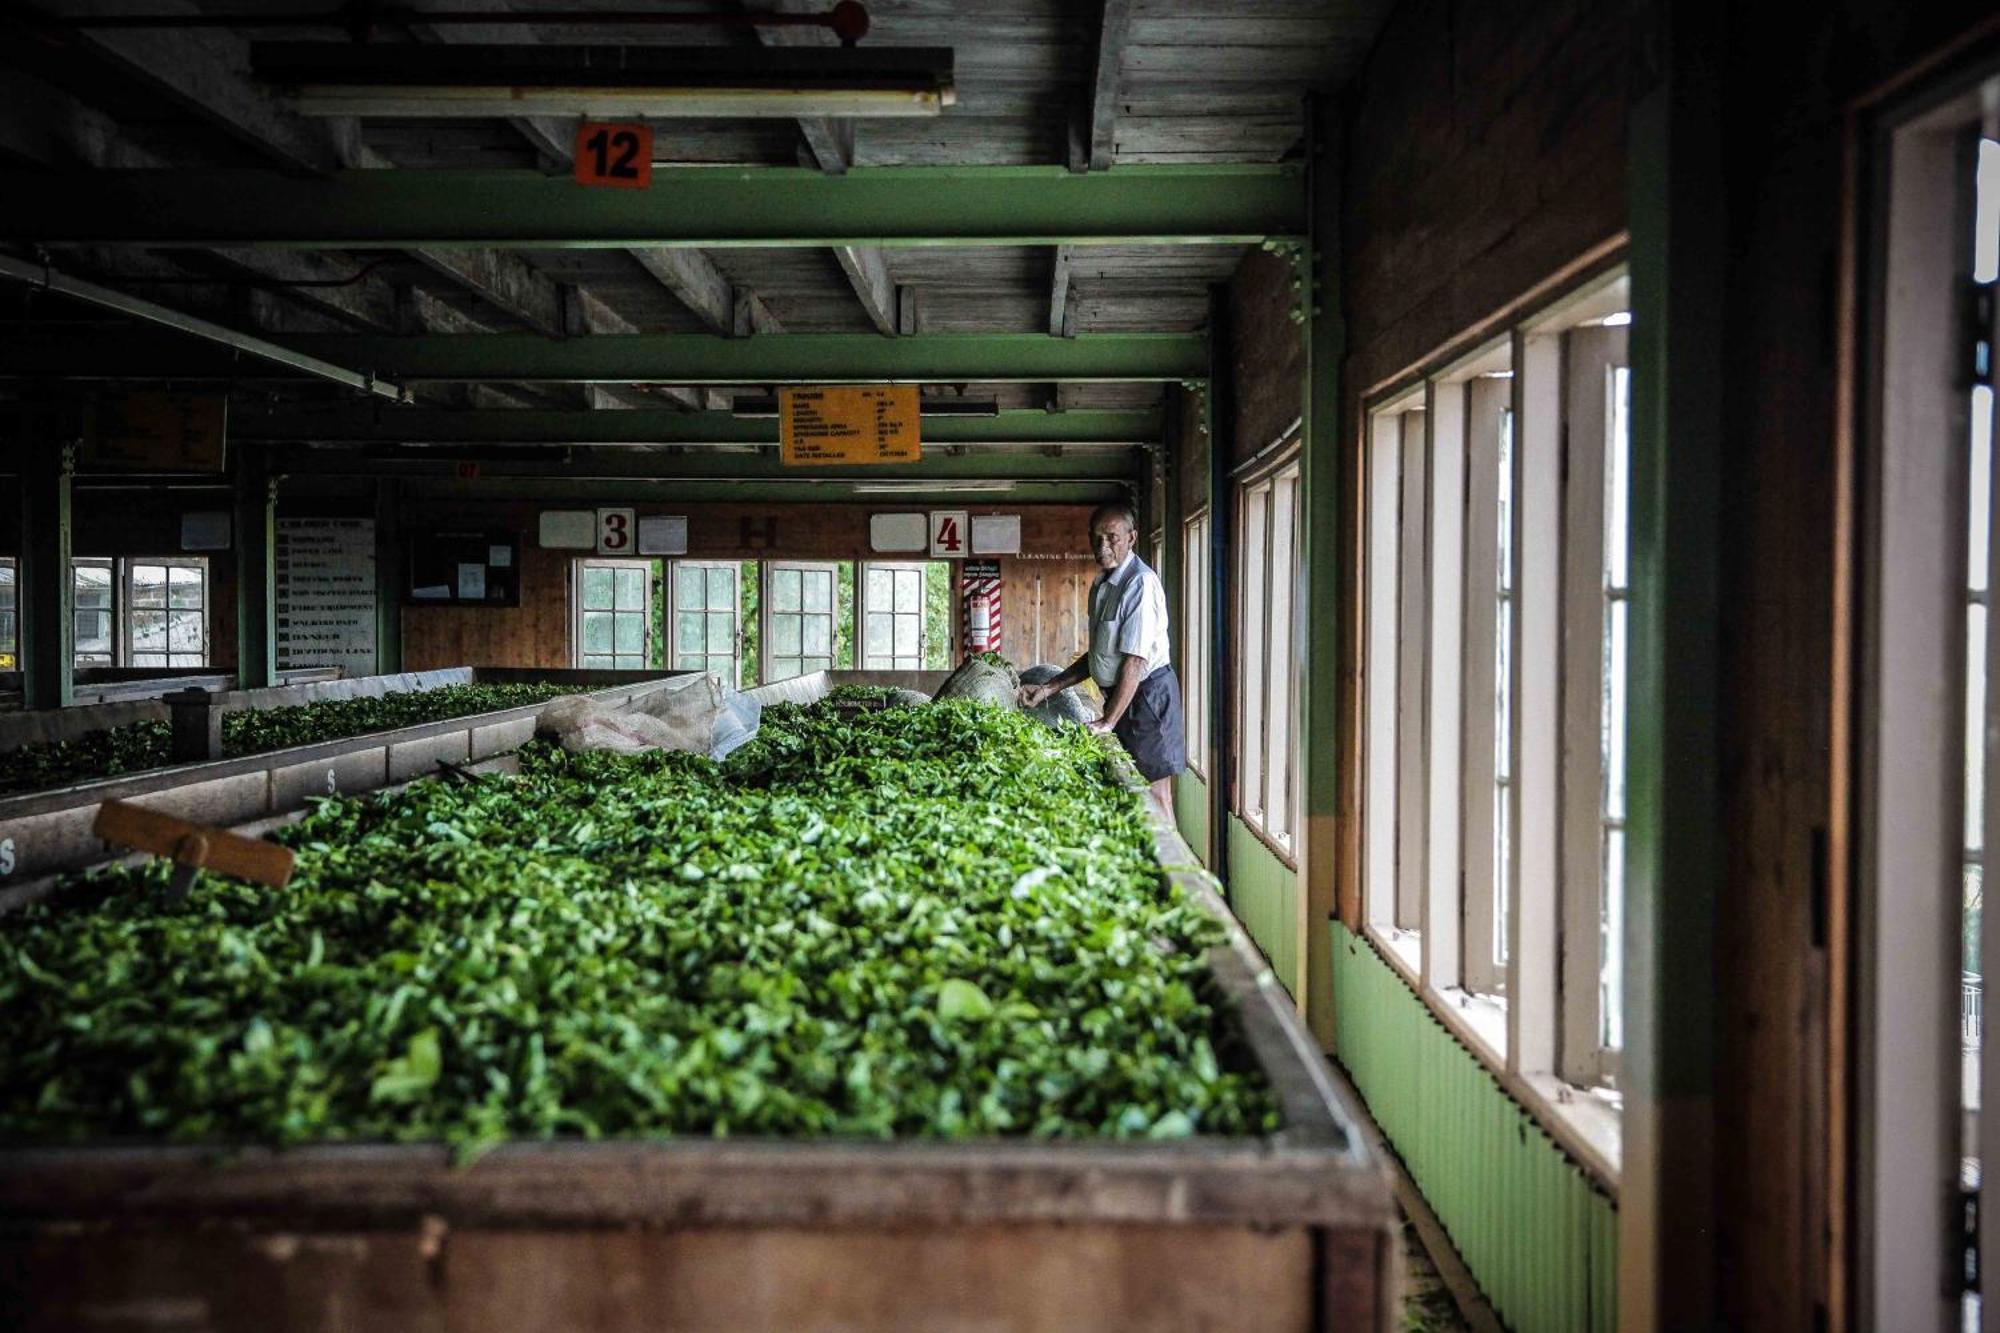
[(848, 424), (466, 568), (325, 579)]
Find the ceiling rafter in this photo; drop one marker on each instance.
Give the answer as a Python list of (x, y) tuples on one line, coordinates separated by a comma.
[(1099, 139)]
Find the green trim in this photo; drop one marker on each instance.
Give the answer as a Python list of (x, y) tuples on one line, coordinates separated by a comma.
[(45, 626), (1191, 813), (427, 425), (1537, 1234), (255, 542), (1263, 892), (616, 465), (613, 358), (704, 207)]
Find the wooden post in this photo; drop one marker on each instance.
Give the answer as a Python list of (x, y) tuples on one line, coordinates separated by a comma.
[(47, 628), (256, 593), (389, 577)]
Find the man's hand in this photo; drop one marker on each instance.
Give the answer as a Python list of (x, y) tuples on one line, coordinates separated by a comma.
[(1101, 728), (1030, 696)]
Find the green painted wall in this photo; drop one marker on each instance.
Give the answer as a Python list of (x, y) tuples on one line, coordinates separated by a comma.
[(1263, 892), (1191, 813), (1539, 1236)]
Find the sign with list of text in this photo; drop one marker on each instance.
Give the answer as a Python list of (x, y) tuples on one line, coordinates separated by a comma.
[(849, 423)]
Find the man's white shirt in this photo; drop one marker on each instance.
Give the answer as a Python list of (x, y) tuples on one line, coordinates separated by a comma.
[(1128, 614)]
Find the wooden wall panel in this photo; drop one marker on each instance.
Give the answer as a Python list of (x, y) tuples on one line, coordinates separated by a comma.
[(1267, 359), (1046, 608)]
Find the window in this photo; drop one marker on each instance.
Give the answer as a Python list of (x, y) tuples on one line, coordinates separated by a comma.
[(800, 607), (1266, 765), (706, 630), (1496, 591), (1197, 591), (613, 614), (140, 612), (892, 616), (10, 618)]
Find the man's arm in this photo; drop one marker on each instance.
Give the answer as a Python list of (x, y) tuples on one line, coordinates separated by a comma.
[(1131, 670), (1073, 674)]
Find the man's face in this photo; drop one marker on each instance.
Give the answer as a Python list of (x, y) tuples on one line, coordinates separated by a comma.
[(1110, 541)]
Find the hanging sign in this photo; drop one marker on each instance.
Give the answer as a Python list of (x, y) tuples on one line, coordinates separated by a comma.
[(168, 432), (614, 153), (849, 423), (980, 582)]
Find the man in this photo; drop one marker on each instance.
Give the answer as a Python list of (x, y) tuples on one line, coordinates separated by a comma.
[(1128, 655)]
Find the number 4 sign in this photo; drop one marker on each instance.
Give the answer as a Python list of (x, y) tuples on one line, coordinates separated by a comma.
[(948, 533), (615, 154)]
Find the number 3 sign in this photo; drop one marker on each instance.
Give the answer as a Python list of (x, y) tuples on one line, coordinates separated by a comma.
[(615, 528), (615, 154)]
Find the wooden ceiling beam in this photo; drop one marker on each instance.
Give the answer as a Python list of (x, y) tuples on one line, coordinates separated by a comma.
[(1099, 140)]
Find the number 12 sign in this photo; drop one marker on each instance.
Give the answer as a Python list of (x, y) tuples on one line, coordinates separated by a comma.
[(614, 153), (948, 533)]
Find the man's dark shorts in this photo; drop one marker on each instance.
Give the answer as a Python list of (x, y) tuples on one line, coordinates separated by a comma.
[(1151, 729)]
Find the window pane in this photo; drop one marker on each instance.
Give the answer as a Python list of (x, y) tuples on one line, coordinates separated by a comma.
[(596, 589), (687, 636), (149, 630), (631, 633), (1611, 979), (785, 635), (881, 588), (880, 639), (93, 587), (1618, 481), (1982, 487), (784, 668), (689, 583), (817, 592), (815, 664), (722, 633), (784, 589), (1975, 725), (149, 659), (591, 663), (721, 588), (185, 587), (1614, 711), (93, 632), (149, 585), (185, 632), (629, 588), (908, 642), (909, 591), (597, 632), (818, 635)]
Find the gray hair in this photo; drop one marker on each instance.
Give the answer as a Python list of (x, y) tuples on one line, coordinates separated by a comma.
[(1115, 509)]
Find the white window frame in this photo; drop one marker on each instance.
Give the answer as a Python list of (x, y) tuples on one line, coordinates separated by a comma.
[(705, 661), (767, 612), (1265, 793), (10, 614), (864, 608), (1197, 596), (579, 568), (1464, 770), (122, 633)]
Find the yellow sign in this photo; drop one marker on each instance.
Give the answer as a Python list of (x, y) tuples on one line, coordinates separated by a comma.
[(862, 423), (167, 432)]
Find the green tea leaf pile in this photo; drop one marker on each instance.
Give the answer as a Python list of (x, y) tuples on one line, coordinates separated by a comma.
[(932, 921), (138, 746)]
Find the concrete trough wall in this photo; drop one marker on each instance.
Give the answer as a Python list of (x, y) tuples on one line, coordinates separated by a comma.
[(48, 833)]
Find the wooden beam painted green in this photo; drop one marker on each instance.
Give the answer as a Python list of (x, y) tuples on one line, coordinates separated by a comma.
[(335, 423), (45, 629), (641, 358), (704, 207), (584, 463)]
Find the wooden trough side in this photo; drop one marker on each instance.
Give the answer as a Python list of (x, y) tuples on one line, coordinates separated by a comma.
[(1292, 1231), (49, 832)]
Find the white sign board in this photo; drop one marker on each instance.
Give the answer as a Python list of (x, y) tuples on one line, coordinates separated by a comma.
[(567, 529), (996, 534), (617, 531), (325, 579), (949, 534), (891, 533), (663, 534)]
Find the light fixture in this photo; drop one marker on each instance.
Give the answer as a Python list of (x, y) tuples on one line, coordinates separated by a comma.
[(606, 82), (921, 487), (1618, 320)]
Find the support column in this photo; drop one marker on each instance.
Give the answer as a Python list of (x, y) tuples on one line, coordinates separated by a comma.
[(1679, 201), (1218, 416), (47, 599), (256, 592), (389, 576), (1322, 552)]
